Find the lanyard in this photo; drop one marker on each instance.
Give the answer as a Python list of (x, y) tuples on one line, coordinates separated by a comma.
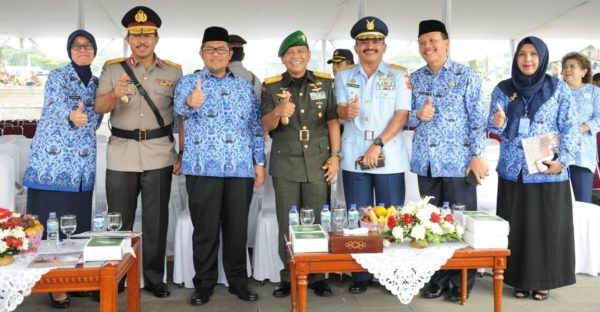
[(527, 101)]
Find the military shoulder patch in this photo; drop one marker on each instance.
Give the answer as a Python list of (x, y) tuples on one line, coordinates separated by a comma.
[(398, 67), (273, 79), (321, 75), (115, 61), (347, 67), (172, 64)]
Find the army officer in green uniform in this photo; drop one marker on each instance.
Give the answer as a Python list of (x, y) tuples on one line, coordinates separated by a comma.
[(299, 112)]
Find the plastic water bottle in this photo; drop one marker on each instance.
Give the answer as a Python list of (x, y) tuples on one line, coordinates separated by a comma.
[(52, 228), (294, 218), (98, 223), (326, 218), (352, 217), (446, 209)]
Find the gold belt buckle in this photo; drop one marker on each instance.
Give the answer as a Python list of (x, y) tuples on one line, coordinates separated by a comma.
[(304, 135), (142, 135), (369, 135)]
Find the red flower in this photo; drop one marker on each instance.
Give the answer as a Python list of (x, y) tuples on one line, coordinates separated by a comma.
[(14, 242), (391, 222), (435, 218), (449, 218), (407, 218), (4, 213)]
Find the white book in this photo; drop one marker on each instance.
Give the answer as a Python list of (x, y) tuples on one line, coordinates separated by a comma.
[(482, 222), (478, 240), (309, 238), (106, 248)]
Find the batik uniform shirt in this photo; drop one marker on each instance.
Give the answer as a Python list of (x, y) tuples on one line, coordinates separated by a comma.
[(62, 156), (587, 102), (447, 143), (558, 114), (224, 136), (380, 96)]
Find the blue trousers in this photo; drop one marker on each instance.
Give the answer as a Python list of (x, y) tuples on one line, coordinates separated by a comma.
[(358, 189), (582, 180)]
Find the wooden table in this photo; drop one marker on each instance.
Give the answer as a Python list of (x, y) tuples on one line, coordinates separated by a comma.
[(103, 279), (302, 264)]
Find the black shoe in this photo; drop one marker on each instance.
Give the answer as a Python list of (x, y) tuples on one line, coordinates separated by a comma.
[(201, 296), (282, 290), (358, 287), (434, 291), (159, 290), (243, 292), (60, 304), (80, 294), (455, 296), (321, 289)]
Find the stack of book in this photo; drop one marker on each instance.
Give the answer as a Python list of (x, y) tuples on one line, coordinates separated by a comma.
[(106, 248), (309, 238), (483, 230)]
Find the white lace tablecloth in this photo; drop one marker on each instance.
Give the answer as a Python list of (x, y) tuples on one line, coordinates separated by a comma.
[(404, 270), (16, 280)]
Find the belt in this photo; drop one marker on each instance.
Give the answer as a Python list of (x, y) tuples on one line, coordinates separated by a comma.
[(141, 135)]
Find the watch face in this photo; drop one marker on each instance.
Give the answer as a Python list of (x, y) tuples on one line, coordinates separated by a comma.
[(378, 141)]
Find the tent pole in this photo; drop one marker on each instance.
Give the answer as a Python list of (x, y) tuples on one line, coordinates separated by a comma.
[(80, 15), (362, 9), (448, 18)]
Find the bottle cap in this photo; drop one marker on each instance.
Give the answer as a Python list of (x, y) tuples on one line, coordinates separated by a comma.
[(294, 207), (326, 206), (381, 204), (446, 203), (352, 206)]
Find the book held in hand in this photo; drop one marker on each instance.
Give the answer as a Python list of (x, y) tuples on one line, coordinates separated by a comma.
[(539, 148)]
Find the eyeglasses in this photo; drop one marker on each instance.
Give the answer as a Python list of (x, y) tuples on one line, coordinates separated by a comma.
[(78, 47), (211, 50)]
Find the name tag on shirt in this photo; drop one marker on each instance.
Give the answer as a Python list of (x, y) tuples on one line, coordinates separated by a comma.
[(317, 96), (352, 85), (74, 97), (524, 125)]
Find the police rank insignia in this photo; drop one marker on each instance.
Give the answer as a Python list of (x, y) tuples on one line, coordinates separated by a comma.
[(141, 17)]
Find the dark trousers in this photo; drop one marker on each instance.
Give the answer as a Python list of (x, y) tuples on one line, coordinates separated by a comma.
[(455, 191), (219, 205), (302, 194), (358, 189), (122, 190), (582, 180)]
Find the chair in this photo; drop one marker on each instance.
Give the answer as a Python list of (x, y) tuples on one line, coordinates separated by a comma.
[(12, 150), (265, 258), (12, 130), (411, 181), (7, 184), (29, 129), (487, 192)]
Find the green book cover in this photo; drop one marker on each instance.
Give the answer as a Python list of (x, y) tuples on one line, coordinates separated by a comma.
[(306, 228), (310, 235), (486, 218), (104, 242), (475, 213)]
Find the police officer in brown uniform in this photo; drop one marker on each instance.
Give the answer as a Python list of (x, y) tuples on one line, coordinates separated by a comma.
[(138, 92), (299, 112)]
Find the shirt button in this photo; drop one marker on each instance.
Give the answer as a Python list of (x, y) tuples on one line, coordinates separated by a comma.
[(301, 111), (145, 78), (141, 114), (366, 119), (303, 127), (305, 145), (300, 94)]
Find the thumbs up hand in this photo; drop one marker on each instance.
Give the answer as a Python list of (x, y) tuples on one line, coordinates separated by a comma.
[(353, 107), (286, 108), (499, 117), (78, 117), (427, 110), (121, 87), (196, 98)]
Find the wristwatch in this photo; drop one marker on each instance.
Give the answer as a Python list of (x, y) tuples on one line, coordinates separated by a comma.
[(378, 141), (336, 154)]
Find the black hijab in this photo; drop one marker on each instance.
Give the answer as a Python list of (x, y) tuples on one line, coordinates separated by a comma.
[(537, 88), (84, 72)]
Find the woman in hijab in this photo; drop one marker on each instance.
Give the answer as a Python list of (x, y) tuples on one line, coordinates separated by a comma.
[(537, 205), (577, 73), (61, 172)]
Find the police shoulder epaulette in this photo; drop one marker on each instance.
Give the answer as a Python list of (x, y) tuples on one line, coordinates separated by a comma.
[(172, 64), (273, 79), (348, 67), (321, 75), (398, 67), (115, 61)]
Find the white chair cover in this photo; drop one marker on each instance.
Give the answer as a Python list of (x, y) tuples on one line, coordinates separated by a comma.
[(7, 182), (487, 192), (12, 150), (586, 226), (410, 179)]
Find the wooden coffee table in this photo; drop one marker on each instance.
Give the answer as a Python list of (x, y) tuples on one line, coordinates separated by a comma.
[(302, 264), (103, 279)]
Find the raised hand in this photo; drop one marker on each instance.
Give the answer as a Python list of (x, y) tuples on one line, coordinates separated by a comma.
[(286, 108), (499, 117), (78, 117), (427, 111), (353, 107), (196, 98), (121, 87)]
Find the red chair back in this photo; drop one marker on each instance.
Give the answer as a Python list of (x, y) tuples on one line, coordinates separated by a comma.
[(12, 130), (29, 130)]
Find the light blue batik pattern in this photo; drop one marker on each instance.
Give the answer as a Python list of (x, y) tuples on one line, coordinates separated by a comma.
[(587, 101), (558, 114), (447, 143), (62, 156), (224, 136)]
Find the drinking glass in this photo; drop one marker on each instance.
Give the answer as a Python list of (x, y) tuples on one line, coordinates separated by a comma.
[(68, 225), (339, 218), (307, 216), (114, 221)]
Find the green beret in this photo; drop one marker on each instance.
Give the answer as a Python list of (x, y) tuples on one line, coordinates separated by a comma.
[(297, 38)]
